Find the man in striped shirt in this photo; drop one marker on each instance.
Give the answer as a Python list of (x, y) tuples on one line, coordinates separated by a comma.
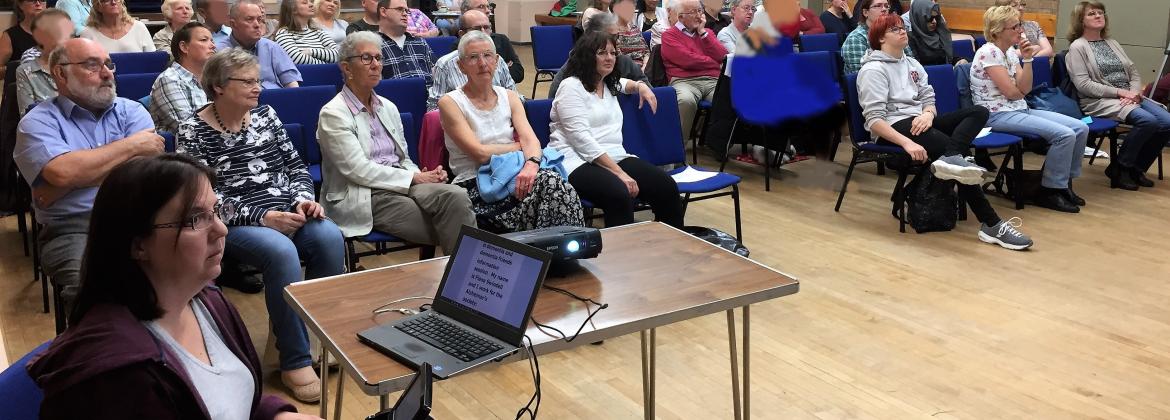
[(403, 54), (447, 75)]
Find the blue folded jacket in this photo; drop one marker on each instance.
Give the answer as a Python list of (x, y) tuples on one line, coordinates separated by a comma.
[(497, 178)]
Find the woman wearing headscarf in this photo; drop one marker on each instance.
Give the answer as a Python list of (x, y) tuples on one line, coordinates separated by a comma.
[(931, 39)]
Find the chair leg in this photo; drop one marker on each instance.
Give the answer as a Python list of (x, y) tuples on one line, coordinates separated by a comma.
[(738, 224), (426, 252), (1159, 166), (767, 170), (881, 170), (58, 310), (1019, 170), (22, 225), (1099, 139), (836, 143), (535, 81), (351, 257), (901, 203), (848, 174), (727, 150)]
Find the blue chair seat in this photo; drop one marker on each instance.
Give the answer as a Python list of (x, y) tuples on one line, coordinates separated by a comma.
[(379, 236), (882, 148), (1102, 124), (704, 104), (995, 141), (586, 203), (315, 173), (718, 182)]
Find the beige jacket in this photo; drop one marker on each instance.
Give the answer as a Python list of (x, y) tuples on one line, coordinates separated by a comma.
[(1098, 98), (348, 174)]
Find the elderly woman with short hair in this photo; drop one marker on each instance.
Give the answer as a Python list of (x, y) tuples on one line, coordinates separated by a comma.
[(176, 94), (278, 223), (111, 25), (327, 18), (177, 13), (295, 33), (479, 122)]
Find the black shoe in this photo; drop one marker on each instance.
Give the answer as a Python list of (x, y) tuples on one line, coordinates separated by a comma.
[(1119, 177), (231, 276), (1139, 178), (1055, 200), (1073, 197), (982, 158)]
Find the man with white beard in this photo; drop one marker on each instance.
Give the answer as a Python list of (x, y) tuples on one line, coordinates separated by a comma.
[(65, 146)]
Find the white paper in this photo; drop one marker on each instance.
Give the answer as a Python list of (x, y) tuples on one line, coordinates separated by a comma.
[(691, 174), (984, 132)]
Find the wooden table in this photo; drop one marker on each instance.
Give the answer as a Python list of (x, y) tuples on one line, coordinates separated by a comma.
[(546, 20), (650, 275)]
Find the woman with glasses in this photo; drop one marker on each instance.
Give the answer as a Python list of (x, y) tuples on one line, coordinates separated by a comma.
[(17, 39), (176, 13), (111, 25), (857, 42), (587, 130), (176, 94), (327, 19), (480, 122), (277, 221), (303, 42), (153, 338), (1001, 76), (1032, 29), (1110, 86)]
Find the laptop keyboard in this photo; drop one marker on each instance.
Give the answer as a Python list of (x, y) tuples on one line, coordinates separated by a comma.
[(450, 338)]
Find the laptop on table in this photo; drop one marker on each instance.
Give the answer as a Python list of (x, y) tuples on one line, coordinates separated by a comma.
[(481, 311)]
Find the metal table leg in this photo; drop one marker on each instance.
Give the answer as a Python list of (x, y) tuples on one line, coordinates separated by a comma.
[(731, 340), (383, 402), (741, 403), (325, 383), (648, 380), (340, 390)]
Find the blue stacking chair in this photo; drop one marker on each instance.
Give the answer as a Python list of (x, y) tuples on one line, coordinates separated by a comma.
[(310, 151), (301, 106), (134, 86), (964, 48), (140, 62), (539, 112), (168, 141), (657, 139), (550, 51), (382, 241), (946, 96), (866, 149), (646, 35), (409, 95), (441, 45), (979, 41), (830, 42), (321, 75), (22, 397)]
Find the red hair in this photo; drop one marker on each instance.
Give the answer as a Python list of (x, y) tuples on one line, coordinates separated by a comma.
[(879, 29)]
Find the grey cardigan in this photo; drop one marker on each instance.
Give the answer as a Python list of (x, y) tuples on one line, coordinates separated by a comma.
[(1098, 98)]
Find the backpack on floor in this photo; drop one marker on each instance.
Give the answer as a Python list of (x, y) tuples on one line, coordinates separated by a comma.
[(719, 238), (932, 205)]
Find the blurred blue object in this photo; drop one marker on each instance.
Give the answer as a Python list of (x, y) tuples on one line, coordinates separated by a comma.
[(778, 76)]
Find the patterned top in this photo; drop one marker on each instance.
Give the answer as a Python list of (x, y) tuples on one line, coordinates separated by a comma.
[(1033, 31), (174, 96), (1111, 66), (33, 85), (856, 46), (412, 59), (310, 46), (983, 90), (256, 170), (418, 23), (448, 77), (631, 43)]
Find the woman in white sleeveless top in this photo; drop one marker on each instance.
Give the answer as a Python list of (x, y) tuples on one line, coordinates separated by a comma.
[(480, 121)]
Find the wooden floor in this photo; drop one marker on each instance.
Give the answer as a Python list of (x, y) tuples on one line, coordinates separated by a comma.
[(887, 325)]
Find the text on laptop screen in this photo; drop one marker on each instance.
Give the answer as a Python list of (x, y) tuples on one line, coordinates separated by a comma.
[(491, 280)]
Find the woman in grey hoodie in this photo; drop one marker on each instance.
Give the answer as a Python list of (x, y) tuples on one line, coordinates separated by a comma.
[(897, 103)]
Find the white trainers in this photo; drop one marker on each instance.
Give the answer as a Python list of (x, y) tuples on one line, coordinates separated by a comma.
[(957, 168)]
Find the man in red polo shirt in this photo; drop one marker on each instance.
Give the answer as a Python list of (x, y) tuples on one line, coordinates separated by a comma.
[(692, 57)]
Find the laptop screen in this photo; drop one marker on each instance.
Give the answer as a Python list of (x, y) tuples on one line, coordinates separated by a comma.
[(492, 281)]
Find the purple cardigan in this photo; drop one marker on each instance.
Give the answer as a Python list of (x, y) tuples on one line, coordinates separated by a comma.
[(109, 366)]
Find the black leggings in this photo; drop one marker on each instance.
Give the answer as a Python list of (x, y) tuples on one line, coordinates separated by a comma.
[(952, 134), (602, 188)]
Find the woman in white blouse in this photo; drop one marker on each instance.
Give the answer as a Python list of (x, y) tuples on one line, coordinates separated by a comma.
[(111, 26), (587, 130), (326, 19), (304, 43)]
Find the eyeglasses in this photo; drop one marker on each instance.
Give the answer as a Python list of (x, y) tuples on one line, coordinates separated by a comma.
[(366, 58), (487, 56), (1095, 13), (1017, 27), (402, 10), (93, 65), (203, 219), (110, 1), (747, 8), (896, 30), (603, 53), (879, 7), (248, 83), (692, 12), (483, 7), (34, 1), (482, 28)]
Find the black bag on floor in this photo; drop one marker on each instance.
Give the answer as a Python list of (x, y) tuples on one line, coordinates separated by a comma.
[(719, 238), (932, 205), (1025, 185)]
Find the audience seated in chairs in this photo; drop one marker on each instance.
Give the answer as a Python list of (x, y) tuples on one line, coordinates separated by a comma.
[(662, 26), (899, 108), (629, 36), (260, 177), (713, 17), (276, 67), (78, 11), (479, 122), (999, 83), (1110, 86), (595, 7), (303, 42), (418, 24), (692, 57), (65, 146), (369, 180), (176, 93), (403, 55), (177, 13), (448, 76), (837, 19), (217, 16), (931, 38), (742, 12), (1032, 30), (34, 80), (326, 17), (856, 44), (650, 12), (111, 25), (624, 67), (147, 326), (19, 38), (587, 130), (503, 44), (368, 21)]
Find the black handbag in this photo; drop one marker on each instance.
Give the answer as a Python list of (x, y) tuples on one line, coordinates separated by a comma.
[(931, 203)]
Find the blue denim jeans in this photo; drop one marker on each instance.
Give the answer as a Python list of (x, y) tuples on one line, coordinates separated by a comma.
[(1151, 131), (320, 244), (1066, 137)]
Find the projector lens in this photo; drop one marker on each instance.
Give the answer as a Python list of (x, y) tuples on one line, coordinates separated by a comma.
[(573, 246)]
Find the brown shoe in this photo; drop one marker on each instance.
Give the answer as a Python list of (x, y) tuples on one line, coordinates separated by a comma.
[(307, 392)]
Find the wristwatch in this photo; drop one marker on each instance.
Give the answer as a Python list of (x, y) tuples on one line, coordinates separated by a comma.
[(534, 159)]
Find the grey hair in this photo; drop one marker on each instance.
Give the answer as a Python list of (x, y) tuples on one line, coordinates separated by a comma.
[(221, 66), (234, 11), (57, 56), (464, 6), (600, 22), (475, 36), (168, 7), (350, 45), (317, 6), (677, 5)]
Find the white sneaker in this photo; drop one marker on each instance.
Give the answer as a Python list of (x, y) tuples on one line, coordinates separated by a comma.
[(955, 167), (1100, 153)]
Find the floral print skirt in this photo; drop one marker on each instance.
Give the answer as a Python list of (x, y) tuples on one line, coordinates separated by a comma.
[(552, 202)]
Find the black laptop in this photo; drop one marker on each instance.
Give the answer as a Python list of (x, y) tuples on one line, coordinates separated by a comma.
[(481, 310)]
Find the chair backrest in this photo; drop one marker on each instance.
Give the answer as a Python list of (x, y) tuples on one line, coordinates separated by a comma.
[(1041, 72), (168, 141), (135, 85), (441, 45), (140, 62), (646, 35), (830, 42), (301, 105), (979, 41), (408, 94), (964, 48), (857, 133), (551, 45), (411, 139), (946, 91), (22, 397), (310, 151), (10, 71), (321, 75), (1060, 79), (539, 114), (655, 137), (963, 83)]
